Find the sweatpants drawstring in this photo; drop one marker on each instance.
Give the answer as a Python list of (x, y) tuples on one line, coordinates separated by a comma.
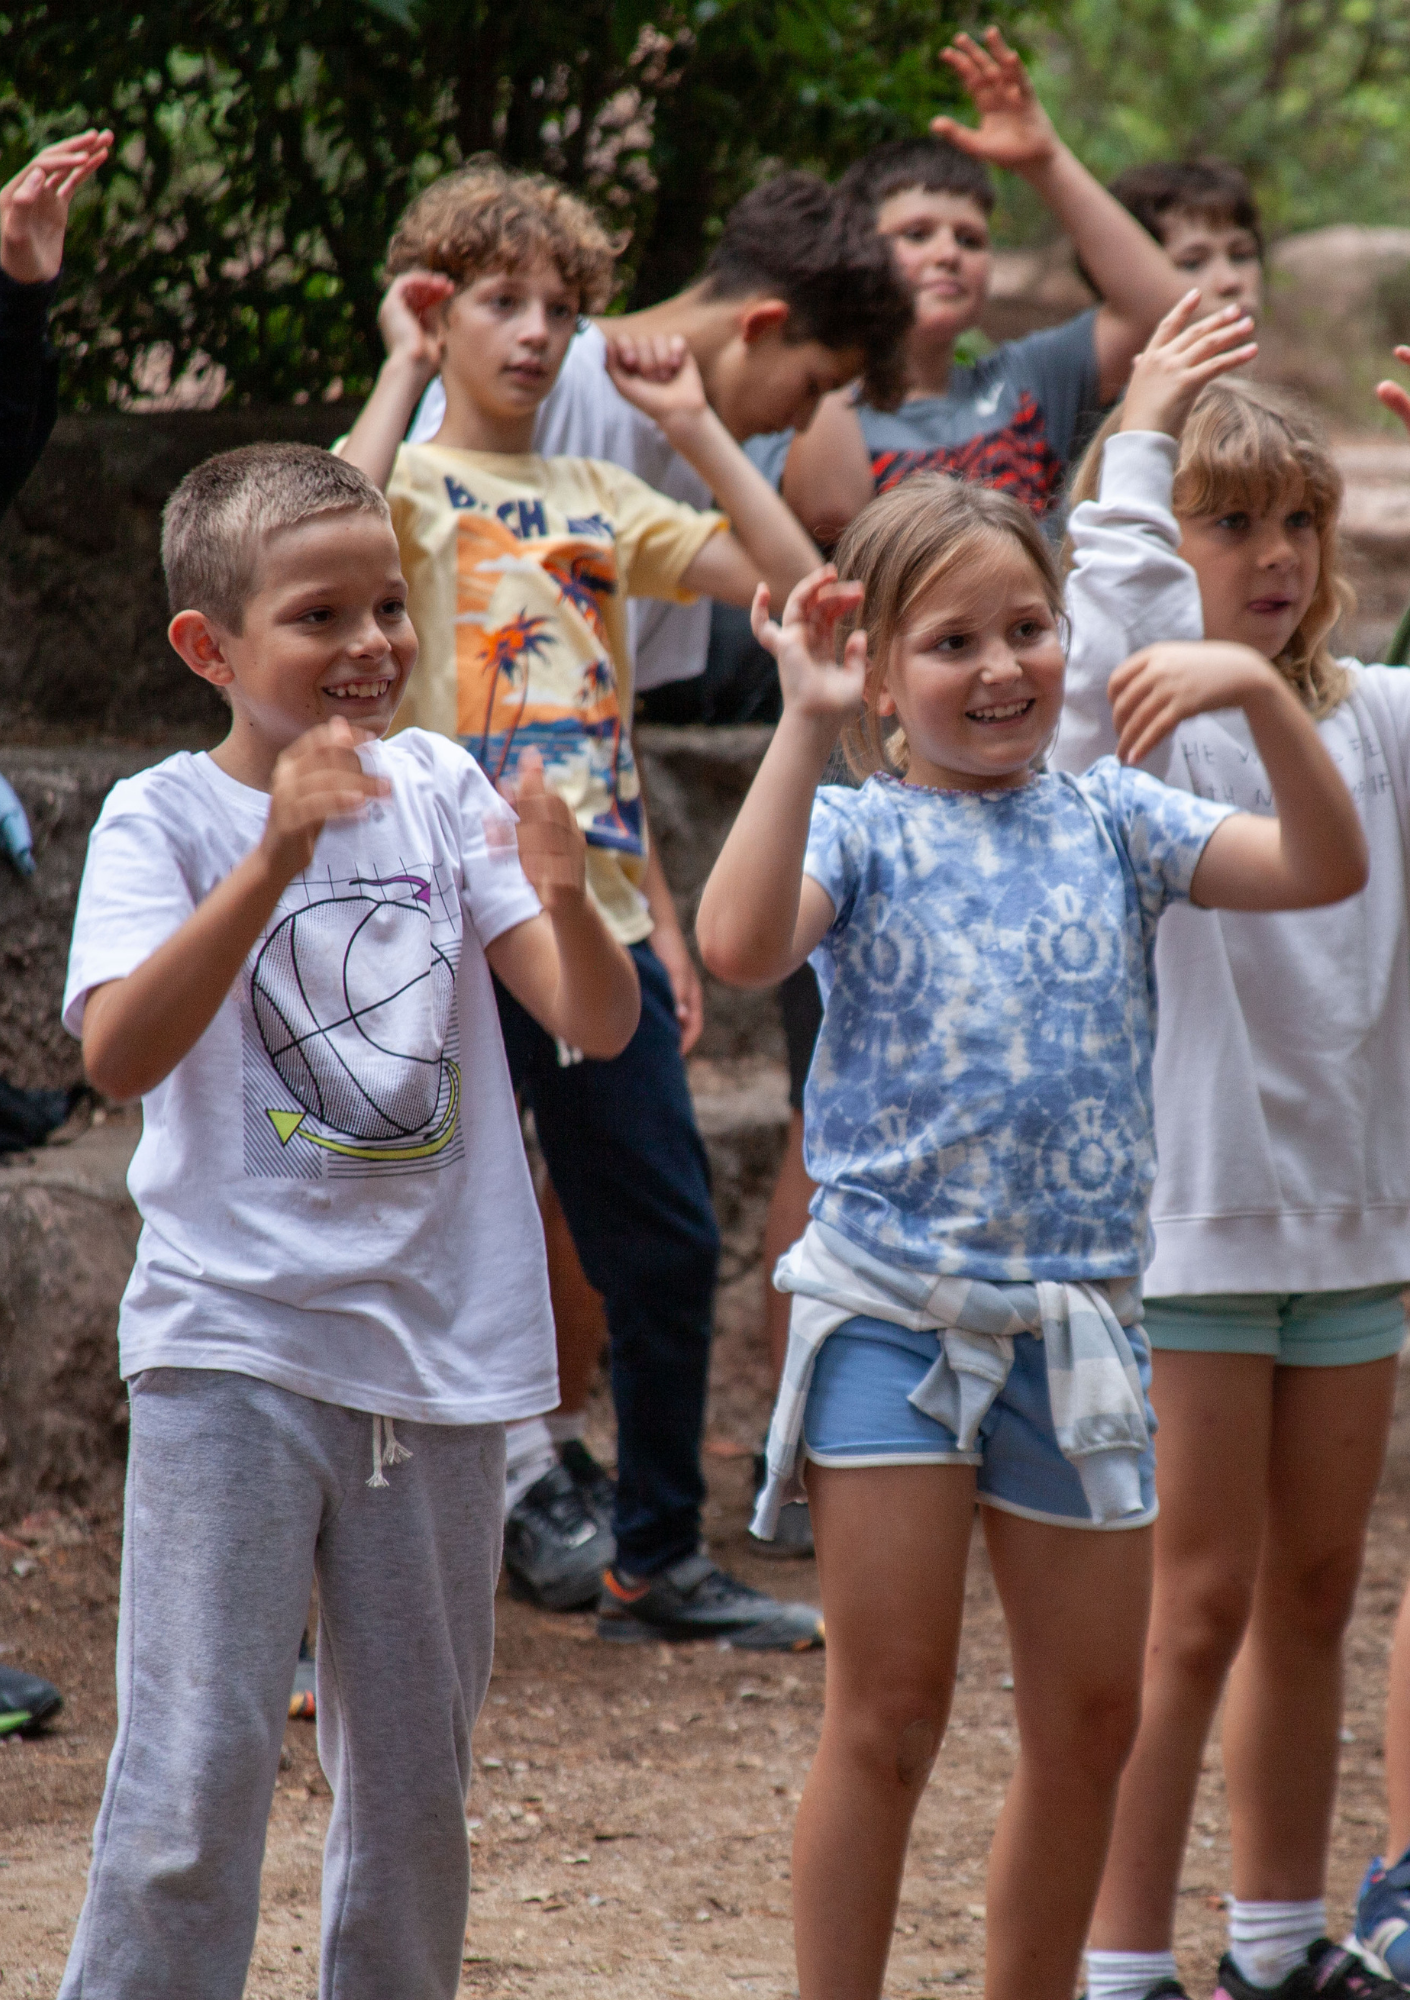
[(390, 1453)]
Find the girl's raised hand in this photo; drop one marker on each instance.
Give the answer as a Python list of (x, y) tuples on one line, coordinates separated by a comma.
[(1163, 685), (1179, 358), (1396, 398), (815, 683)]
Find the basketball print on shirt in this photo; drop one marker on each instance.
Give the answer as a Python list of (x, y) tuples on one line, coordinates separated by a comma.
[(349, 1027)]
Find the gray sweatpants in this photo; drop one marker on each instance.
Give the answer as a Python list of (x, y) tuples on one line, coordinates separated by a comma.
[(237, 1494)]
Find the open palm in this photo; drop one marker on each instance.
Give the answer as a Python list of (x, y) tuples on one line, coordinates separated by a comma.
[(1014, 130), (34, 206)]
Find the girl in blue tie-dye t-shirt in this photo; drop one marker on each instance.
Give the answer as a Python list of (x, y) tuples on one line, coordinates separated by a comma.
[(966, 1312)]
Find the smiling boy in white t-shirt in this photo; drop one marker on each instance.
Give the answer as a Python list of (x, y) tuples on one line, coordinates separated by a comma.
[(285, 948)]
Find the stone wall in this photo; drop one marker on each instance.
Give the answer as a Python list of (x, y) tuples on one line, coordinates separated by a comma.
[(83, 649)]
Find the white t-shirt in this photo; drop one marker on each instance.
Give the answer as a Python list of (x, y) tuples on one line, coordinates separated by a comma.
[(333, 1190), (585, 416), (1282, 1065)]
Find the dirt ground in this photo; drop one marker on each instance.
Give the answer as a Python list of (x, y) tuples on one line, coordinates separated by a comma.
[(632, 1809)]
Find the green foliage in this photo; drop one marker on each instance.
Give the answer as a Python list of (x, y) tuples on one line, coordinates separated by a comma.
[(264, 156), (1308, 96)]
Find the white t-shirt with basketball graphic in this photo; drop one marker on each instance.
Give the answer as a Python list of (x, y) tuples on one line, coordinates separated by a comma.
[(333, 1190)]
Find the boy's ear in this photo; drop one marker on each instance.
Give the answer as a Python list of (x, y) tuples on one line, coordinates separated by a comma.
[(761, 317), (201, 644)]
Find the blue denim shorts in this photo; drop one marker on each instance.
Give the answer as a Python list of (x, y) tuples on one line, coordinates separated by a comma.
[(857, 1413)]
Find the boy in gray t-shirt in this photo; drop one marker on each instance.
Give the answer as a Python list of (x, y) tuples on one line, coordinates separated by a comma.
[(1009, 419)]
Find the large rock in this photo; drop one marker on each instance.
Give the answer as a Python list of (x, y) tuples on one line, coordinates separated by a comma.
[(62, 791), (67, 1235), (1338, 300), (83, 612)]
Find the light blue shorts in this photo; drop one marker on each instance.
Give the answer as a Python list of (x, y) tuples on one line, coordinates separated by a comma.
[(1296, 1329), (857, 1413)]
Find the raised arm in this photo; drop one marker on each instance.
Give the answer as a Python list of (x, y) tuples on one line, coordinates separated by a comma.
[(409, 319), (1314, 851), (827, 474), (564, 967), (1136, 280), (1129, 586), (136, 1030), (760, 916), (765, 543)]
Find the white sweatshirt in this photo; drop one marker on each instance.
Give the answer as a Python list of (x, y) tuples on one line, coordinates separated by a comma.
[(1282, 1063)]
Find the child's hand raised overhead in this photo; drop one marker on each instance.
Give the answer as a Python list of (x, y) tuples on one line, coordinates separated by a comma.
[(658, 374), (1163, 685), (1014, 129), (318, 778), (1179, 358), (34, 206), (552, 851), (1393, 395), (409, 318), (816, 686)]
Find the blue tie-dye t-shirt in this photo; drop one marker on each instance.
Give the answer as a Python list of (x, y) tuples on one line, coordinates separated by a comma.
[(980, 1099)]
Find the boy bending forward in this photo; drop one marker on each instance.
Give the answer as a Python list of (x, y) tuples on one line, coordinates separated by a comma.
[(340, 1297)]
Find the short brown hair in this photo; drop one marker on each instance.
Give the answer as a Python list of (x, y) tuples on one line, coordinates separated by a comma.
[(481, 218), (1214, 189), (935, 166), (1243, 445), (799, 240), (215, 521), (901, 544)]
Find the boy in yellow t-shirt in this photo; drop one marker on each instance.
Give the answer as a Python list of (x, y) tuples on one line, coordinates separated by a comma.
[(519, 568)]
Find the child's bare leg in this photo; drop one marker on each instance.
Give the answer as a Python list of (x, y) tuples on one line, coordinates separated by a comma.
[(1076, 1601), (892, 1547), (1212, 1475), (1398, 1738), (1328, 1442), (785, 1222), (579, 1317)]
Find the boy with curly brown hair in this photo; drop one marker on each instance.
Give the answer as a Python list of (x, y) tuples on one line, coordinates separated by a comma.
[(519, 569)]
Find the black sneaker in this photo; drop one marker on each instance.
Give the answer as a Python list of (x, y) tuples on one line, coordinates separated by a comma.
[(1328, 1971), (27, 1704), (592, 1480), (555, 1548), (695, 1599)]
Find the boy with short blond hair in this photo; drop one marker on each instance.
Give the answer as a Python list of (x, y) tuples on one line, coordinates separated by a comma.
[(286, 948), (520, 567)]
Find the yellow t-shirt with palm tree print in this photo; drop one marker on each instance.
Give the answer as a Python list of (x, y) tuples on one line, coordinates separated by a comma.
[(519, 569)]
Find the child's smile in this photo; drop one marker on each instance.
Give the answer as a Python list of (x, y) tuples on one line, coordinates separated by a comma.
[(975, 676), (325, 632)]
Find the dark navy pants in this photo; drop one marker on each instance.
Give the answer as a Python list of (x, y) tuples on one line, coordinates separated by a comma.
[(628, 1165)]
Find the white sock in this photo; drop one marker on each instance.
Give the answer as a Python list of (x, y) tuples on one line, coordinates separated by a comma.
[(1266, 1940), (565, 1424), (528, 1455), (1127, 1975)]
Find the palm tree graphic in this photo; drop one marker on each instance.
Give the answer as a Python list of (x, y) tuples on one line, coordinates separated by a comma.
[(508, 652)]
